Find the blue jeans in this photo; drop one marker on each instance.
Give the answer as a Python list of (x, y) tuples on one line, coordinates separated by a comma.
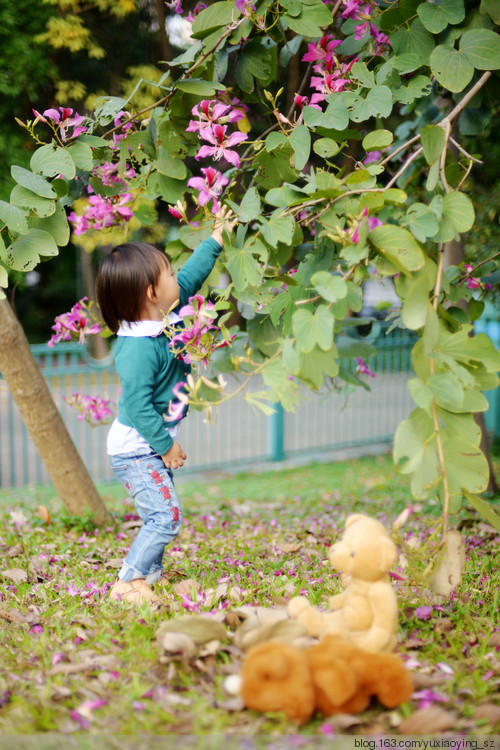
[(151, 484)]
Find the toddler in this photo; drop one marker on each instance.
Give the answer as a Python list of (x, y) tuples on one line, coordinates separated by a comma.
[(136, 288)]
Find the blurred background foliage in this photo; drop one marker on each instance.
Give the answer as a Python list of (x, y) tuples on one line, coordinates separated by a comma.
[(69, 52)]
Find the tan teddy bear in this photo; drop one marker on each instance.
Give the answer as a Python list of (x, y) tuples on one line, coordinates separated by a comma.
[(331, 677), (366, 612)]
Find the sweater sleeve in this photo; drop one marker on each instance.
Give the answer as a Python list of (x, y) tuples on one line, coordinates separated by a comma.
[(197, 268), (137, 366)]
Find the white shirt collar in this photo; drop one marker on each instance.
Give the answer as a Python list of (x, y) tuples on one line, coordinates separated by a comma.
[(146, 327)]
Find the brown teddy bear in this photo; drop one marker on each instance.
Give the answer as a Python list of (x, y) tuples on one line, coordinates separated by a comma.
[(331, 677), (366, 613)]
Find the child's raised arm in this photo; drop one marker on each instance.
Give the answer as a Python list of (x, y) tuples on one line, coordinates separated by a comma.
[(223, 221)]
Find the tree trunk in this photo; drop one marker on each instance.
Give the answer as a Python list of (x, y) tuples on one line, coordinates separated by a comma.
[(43, 421)]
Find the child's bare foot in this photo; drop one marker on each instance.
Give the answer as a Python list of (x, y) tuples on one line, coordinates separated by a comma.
[(135, 592)]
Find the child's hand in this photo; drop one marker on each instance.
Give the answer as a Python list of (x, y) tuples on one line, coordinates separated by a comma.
[(174, 457), (223, 222)]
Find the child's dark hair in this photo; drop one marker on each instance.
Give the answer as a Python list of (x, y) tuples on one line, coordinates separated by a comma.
[(123, 279)]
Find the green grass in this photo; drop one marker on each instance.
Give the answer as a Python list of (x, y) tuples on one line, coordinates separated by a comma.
[(74, 662)]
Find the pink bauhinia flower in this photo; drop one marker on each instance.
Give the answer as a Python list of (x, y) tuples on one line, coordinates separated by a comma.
[(321, 50), (363, 368), (210, 187), (373, 221), (93, 409), (221, 145), (245, 7), (177, 408), (63, 120), (76, 324), (211, 112)]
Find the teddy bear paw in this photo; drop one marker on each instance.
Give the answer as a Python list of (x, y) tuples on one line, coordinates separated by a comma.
[(297, 605)]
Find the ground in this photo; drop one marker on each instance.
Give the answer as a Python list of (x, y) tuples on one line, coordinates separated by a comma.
[(75, 663)]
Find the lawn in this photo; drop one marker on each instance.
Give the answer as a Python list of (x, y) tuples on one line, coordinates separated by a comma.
[(73, 662)]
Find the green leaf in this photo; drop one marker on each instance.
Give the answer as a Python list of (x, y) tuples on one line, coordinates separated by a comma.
[(326, 148), (458, 210), (20, 196), (462, 347), (273, 169), (451, 67), (421, 394), (249, 208), (56, 225), (199, 87), (421, 221), (361, 73), (313, 329), (279, 228), (484, 509), (283, 389), (415, 440), (377, 139), (14, 217), (310, 21), (4, 279), (432, 138), (213, 17), (285, 196), (170, 190), (331, 288), (170, 138), (413, 39), (31, 181), (81, 155), (437, 15), (24, 253), (397, 246), (170, 166), (447, 390), (466, 466), (108, 108), (243, 268), (314, 365), (492, 8), (254, 61), (51, 161), (416, 306), (300, 138), (378, 103), (481, 48), (349, 347), (275, 140)]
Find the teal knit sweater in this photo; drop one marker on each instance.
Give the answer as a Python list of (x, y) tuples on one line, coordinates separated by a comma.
[(148, 370)]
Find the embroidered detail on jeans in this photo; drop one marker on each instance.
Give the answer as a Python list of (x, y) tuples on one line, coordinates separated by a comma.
[(156, 477), (165, 492), (175, 514)]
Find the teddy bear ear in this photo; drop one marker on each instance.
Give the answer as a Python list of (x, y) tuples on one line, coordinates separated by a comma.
[(353, 518), (388, 553)]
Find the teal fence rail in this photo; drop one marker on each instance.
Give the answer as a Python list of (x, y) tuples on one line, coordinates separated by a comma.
[(240, 436)]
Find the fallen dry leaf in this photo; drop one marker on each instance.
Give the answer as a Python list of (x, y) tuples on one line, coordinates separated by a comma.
[(189, 587), (488, 711), (285, 631), (450, 566), (430, 720), (44, 514), (179, 644), (15, 551), (200, 629), (17, 575), (288, 548)]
